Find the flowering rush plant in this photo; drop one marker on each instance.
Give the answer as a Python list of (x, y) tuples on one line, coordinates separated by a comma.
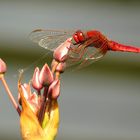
[(38, 110), (37, 100)]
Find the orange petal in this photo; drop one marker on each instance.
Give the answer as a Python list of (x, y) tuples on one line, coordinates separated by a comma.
[(29, 124)]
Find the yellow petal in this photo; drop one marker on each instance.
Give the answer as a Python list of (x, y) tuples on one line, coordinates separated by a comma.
[(53, 122), (30, 126)]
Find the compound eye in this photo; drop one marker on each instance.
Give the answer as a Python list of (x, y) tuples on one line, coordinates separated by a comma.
[(81, 36), (75, 39)]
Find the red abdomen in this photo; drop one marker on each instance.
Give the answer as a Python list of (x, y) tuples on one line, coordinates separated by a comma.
[(114, 46)]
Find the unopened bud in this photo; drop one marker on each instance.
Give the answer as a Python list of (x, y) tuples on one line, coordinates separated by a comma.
[(3, 66), (61, 52), (35, 80), (45, 76), (54, 89), (61, 67), (26, 92)]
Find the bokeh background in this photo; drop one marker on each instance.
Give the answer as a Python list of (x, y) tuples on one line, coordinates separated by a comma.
[(100, 102)]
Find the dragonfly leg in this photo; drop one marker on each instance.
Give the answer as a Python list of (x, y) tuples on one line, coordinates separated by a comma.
[(76, 50), (84, 45), (102, 50)]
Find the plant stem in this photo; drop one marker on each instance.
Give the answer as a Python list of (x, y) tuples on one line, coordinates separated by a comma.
[(57, 75), (10, 94)]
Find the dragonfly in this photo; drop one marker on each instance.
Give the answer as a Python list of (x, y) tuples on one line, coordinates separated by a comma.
[(86, 46)]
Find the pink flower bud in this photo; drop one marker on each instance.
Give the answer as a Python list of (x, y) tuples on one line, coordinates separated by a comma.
[(61, 67), (54, 89), (3, 66), (35, 80), (61, 52), (34, 98), (45, 76), (26, 91), (27, 87)]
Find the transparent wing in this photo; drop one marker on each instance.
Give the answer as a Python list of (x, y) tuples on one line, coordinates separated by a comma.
[(52, 42), (90, 56), (49, 39), (87, 55), (93, 54)]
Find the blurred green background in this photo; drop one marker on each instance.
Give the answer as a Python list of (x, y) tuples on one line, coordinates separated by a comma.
[(100, 102)]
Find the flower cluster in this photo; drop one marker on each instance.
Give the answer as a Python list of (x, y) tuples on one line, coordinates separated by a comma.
[(38, 108)]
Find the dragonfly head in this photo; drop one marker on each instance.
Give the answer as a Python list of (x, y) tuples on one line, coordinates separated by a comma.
[(78, 37)]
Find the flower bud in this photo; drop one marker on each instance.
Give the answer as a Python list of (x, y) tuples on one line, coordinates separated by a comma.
[(37, 116), (26, 92), (34, 98), (61, 67), (3, 66), (45, 76), (61, 52), (35, 80), (54, 89)]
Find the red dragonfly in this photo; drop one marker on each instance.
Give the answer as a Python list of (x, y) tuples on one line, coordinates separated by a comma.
[(86, 46)]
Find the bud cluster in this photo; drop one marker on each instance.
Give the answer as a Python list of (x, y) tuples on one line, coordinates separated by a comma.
[(38, 110)]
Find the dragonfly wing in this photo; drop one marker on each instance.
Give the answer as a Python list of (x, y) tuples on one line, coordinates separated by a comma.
[(49, 39), (90, 58), (87, 55), (77, 58), (51, 43), (93, 54), (39, 34)]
